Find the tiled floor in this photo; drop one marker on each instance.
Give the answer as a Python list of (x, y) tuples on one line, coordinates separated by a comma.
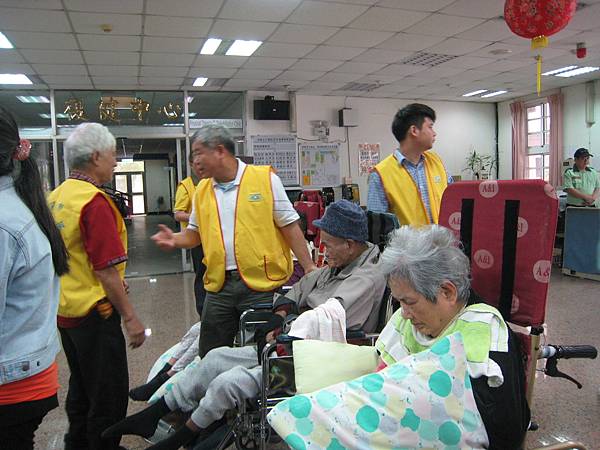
[(145, 258), (165, 304)]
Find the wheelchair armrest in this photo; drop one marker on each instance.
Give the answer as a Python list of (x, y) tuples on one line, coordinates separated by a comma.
[(355, 334), (286, 339), (264, 305)]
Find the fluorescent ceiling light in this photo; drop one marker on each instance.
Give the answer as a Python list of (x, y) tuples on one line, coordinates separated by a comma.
[(14, 78), (471, 94), (172, 124), (493, 94), (243, 48), (562, 69), (210, 46), (575, 72), (200, 81), (58, 116), (4, 42), (33, 99)]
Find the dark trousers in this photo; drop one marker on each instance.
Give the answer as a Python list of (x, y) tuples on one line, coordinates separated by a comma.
[(99, 381), (222, 310), (19, 437), (199, 270), (18, 422)]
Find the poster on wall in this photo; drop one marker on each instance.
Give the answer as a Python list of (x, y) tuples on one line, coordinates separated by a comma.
[(368, 157), (319, 164), (280, 152)]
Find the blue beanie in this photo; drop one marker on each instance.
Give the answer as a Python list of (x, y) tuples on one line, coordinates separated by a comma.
[(345, 220)]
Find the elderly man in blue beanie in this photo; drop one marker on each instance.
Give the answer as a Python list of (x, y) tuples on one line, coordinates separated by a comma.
[(226, 376)]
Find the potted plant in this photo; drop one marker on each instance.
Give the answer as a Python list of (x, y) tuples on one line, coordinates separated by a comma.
[(480, 165)]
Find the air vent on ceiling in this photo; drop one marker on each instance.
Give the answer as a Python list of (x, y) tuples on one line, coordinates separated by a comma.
[(427, 59), (363, 87), (216, 82)]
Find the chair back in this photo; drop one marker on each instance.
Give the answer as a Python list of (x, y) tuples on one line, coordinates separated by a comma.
[(507, 229)]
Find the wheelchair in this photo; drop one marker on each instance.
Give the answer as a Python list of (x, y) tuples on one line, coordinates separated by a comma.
[(513, 221)]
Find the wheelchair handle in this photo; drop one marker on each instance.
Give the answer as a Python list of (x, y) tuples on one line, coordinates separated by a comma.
[(568, 351), (552, 353)]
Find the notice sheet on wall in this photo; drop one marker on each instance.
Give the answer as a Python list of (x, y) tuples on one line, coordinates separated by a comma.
[(320, 164), (280, 152), (368, 157)]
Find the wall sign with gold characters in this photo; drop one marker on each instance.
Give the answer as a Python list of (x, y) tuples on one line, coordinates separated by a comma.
[(170, 110), (108, 110), (74, 109), (139, 107)]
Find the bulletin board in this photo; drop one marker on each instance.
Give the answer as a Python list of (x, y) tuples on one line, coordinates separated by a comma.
[(280, 152), (320, 164)]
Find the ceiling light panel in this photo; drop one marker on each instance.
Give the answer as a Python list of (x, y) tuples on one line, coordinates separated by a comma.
[(471, 94), (493, 94), (14, 78), (33, 99), (210, 46), (4, 42), (200, 81), (243, 48), (557, 71), (575, 72)]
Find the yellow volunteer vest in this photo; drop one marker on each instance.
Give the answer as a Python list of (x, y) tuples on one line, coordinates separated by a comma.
[(263, 257), (79, 288), (183, 197), (402, 193)]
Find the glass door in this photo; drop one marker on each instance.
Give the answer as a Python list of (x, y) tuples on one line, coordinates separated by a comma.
[(132, 184)]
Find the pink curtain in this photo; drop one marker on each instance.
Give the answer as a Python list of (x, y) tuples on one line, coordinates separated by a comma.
[(518, 113), (556, 138)]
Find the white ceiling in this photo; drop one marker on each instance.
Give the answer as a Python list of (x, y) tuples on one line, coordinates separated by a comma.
[(313, 47)]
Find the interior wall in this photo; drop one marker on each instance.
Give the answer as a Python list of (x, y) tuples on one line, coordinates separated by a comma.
[(460, 127), (576, 132), (158, 185)]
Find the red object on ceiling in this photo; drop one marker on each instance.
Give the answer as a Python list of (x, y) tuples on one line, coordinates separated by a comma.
[(534, 18)]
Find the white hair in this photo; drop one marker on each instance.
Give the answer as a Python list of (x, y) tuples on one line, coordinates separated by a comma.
[(86, 139), (425, 258), (213, 135)]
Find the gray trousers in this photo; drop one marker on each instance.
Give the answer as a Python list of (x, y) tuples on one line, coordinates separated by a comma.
[(222, 310), (223, 379)]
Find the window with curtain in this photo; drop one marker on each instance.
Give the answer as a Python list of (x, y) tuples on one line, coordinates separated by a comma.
[(538, 142)]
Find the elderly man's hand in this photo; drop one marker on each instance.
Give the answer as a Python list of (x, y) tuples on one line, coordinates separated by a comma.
[(310, 268), (164, 238), (135, 332)]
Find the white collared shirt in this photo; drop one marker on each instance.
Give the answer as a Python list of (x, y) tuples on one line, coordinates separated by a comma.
[(283, 210)]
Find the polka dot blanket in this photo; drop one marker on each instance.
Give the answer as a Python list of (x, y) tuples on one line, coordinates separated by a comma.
[(423, 401)]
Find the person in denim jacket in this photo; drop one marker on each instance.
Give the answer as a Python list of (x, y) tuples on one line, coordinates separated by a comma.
[(32, 257)]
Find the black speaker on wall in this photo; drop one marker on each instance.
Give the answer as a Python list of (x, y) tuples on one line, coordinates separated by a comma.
[(271, 109)]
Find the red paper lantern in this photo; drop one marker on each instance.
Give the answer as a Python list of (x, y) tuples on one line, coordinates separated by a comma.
[(535, 18)]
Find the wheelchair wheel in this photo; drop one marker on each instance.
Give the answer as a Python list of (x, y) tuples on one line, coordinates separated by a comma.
[(251, 441)]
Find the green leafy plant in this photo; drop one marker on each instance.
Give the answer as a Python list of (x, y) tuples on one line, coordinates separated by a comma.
[(481, 166)]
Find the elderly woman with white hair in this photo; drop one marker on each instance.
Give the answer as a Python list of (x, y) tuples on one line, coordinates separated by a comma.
[(93, 295), (429, 275), (450, 372)]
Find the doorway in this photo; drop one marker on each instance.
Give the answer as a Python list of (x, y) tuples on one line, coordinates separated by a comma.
[(133, 185)]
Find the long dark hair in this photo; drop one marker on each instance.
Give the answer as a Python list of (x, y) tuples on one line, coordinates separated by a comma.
[(28, 185)]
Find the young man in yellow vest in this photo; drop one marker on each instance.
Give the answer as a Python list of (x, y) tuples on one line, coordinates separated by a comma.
[(183, 207), (410, 182), (93, 295), (246, 226)]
